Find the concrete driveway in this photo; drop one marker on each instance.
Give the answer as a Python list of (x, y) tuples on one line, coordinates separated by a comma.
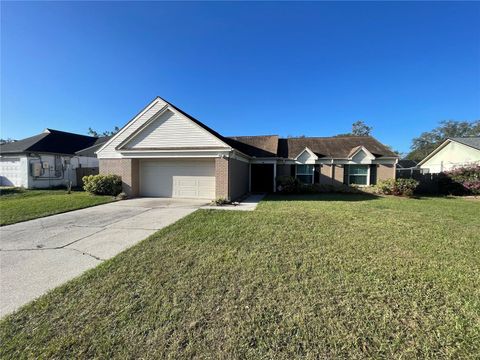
[(38, 255)]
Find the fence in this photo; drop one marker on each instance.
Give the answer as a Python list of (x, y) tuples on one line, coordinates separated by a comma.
[(84, 171), (431, 183)]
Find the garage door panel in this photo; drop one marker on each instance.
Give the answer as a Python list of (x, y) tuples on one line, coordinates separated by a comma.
[(10, 172), (178, 178)]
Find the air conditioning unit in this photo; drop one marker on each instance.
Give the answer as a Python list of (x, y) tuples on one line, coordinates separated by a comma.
[(36, 169)]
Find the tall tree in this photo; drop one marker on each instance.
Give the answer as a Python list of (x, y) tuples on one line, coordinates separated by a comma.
[(95, 133), (429, 140), (359, 128)]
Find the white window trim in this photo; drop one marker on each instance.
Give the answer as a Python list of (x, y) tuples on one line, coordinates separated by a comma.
[(368, 176)]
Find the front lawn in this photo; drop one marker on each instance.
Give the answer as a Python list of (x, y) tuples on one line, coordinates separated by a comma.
[(331, 276), (19, 205)]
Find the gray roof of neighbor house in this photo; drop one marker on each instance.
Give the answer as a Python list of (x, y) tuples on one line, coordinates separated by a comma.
[(50, 141), (406, 164), (90, 151), (473, 141)]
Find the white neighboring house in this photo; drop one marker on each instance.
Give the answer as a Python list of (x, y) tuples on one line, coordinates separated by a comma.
[(452, 153), (47, 159)]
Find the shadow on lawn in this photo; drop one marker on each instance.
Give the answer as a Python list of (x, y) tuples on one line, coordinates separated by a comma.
[(11, 190), (321, 197)]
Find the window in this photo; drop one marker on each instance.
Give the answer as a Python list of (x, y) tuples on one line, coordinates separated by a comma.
[(305, 173), (358, 174)]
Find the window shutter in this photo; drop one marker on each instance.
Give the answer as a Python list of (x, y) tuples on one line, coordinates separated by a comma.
[(316, 173), (345, 174), (292, 170), (373, 174)]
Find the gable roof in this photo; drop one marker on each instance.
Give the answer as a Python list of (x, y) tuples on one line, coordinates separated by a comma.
[(272, 145), (145, 110), (340, 147), (473, 141), (50, 141), (310, 153)]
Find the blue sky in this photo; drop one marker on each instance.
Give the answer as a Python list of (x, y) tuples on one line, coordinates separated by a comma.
[(241, 68)]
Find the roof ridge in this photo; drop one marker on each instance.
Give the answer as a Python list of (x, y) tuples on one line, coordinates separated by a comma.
[(67, 132), (465, 137), (330, 137), (250, 136)]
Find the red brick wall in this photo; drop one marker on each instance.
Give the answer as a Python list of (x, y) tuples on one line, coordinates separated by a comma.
[(338, 174), (221, 178), (385, 171), (128, 169)]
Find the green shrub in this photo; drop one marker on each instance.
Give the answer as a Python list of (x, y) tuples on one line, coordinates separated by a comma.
[(220, 201), (103, 184), (398, 187), (289, 185)]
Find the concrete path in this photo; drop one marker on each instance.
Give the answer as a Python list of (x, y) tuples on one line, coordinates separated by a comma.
[(249, 204), (38, 255)]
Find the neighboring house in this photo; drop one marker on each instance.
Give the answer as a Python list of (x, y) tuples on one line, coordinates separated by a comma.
[(165, 152), (406, 164), (452, 153), (47, 159)]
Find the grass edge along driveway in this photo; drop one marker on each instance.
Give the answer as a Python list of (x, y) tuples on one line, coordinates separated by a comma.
[(330, 276), (17, 205)]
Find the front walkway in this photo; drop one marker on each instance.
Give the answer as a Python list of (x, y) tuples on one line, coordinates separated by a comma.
[(40, 254), (249, 204)]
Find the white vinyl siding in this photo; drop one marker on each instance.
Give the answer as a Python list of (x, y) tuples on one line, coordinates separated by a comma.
[(181, 138), (452, 155), (172, 131), (178, 178)]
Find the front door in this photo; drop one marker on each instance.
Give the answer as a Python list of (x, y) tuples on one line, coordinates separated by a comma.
[(262, 177)]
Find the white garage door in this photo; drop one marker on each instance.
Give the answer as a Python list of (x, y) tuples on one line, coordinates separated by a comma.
[(178, 178), (10, 172)]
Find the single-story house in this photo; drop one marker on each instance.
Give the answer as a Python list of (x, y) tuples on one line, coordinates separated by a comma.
[(47, 159), (165, 152), (452, 153)]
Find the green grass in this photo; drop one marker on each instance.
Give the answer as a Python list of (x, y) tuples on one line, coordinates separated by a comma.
[(19, 205), (332, 276)]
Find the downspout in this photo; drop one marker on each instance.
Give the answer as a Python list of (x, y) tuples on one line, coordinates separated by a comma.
[(332, 171)]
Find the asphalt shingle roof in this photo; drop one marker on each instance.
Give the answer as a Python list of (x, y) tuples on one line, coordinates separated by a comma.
[(258, 146), (332, 147), (473, 141), (50, 141), (273, 146)]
